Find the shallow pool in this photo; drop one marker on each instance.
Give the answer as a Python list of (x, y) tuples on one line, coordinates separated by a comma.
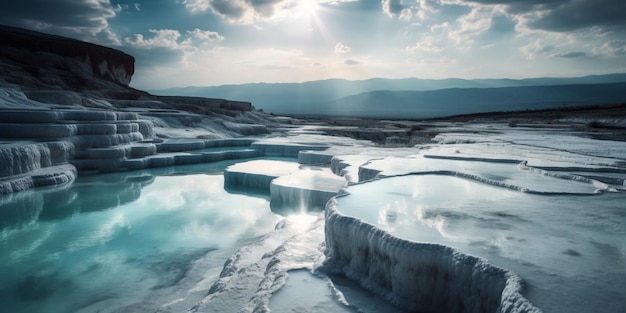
[(569, 248), (109, 241)]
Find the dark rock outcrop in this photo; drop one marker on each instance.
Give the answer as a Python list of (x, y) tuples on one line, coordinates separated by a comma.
[(63, 71), (66, 108), (54, 61)]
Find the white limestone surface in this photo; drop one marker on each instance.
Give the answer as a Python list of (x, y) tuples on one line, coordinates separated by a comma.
[(437, 224), (257, 174), (306, 188), (510, 174)]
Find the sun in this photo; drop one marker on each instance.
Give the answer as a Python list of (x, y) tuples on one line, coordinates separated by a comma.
[(307, 15), (307, 7)]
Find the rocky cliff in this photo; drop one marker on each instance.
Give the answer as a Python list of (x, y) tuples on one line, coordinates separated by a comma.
[(52, 61), (66, 108), (63, 71)]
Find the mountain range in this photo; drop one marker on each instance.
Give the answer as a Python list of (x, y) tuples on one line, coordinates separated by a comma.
[(417, 98)]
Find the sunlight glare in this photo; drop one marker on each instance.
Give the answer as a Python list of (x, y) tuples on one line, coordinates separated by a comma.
[(308, 7), (302, 221)]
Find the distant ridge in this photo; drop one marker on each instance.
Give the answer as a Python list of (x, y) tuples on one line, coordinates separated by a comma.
[(416, 98), (455, 101)]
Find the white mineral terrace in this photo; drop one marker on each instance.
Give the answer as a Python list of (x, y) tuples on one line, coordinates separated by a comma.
[(498, 221)]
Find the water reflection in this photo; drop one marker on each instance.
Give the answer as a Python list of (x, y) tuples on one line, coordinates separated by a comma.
[(562, 245), (20, 209), (87, 194), (115, 237)]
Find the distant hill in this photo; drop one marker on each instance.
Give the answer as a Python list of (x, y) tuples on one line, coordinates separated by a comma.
[(455, 101), (417, 98)]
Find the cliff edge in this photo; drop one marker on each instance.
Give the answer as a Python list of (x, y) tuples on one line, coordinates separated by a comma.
[(66, 108), (50, 61), (57, 70)]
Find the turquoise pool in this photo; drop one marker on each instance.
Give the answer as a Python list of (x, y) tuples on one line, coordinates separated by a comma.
[(111, 241)]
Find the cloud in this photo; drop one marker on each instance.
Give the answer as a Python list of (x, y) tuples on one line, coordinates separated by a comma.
[(167, 45), (274, 67), (517, 6), (441, 60), (278, 53), (571, 55), (611, 48), (394, 7), (107, 37), (426, 44), (536, 49), (579, 14), (232, 10), (479, 20), (562, 15), (206, 35), (163, 38), (238, 11), (352, 62), (341, 48), (440, 27), (60, 16), (196, 5), (336, 2), (169, 38), (407, 9)]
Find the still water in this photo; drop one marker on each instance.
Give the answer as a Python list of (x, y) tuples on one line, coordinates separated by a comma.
[(568, 247), (116, 238)]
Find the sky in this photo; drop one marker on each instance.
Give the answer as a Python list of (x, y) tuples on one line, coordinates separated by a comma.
[(180, 43)]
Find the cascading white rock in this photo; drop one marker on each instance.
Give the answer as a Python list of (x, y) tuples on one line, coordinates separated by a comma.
[(416, 276), (47, 176), (305, 188), (186, 144), (95, 141), (88, 115), (366, 173), (22, 158), (229, 142), (314, 157), (247, 129), (175, 145), (256, 175), (284, 150), (349, 166), (30, 116), (337, 165), (287, 183), (48, 131)]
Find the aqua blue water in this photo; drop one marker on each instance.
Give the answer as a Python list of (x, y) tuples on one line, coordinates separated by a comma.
[(115, 238)]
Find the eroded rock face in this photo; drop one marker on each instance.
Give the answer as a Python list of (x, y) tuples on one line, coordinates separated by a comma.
[(42, 60), (66, 108), (62, 71)]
